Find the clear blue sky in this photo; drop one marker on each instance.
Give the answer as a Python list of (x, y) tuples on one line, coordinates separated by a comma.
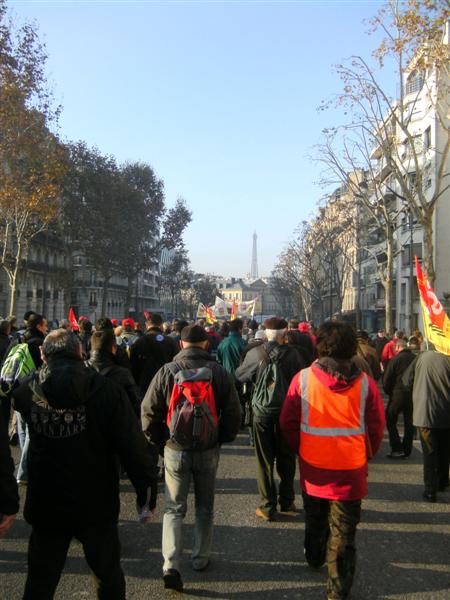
[(219, 97)]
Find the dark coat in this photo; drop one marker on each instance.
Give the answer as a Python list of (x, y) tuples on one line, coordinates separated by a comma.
[(80, 425), (303, 343), (156, 401), (392, 378), (34, 339), (5, 342), (379, 343), (429, 378), (105, 364), (9, 496), (230, 350), (148, 354), (290, 362)]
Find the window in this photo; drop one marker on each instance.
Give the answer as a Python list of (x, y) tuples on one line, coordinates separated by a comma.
[(427, 138), (415, 82), (403, 293), (417, 251)]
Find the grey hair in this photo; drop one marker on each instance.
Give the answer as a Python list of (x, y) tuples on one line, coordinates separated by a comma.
[(401, 343), (61, 342), (275, 335)]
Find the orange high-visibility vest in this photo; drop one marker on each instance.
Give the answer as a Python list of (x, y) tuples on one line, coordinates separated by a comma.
[(332, 429)]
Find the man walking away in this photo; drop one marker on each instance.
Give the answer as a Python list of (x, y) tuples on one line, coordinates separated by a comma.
[(230, 349), (368, 353), (429, 378), (150, 352), (380, 342), (301, 341), (332, 416), (103, 360), (400, 401), (270, 367), (80, 425), (34, 338), (85, 337), (389, 350), (169, 417)]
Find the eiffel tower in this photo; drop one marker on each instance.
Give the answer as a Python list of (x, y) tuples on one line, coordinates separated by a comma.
[(254, 269)]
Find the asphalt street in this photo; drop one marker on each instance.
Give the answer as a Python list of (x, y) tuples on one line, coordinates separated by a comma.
[(403, 543)]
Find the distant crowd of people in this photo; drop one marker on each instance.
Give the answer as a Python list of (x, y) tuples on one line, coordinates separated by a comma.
[(88, 402)]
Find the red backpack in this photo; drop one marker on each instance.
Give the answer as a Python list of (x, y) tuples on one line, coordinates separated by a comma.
[(192, 416)]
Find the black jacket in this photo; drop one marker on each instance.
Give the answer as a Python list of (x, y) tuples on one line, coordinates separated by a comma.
[(9, 496), (80, 424), (303, 343), (379, 343), (34, 339), (105, 364), (148, 354), (392, 378), (156, 401), (291, 362), (5, 342)]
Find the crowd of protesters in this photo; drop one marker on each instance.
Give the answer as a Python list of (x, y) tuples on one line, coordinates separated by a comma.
[(107, 398)]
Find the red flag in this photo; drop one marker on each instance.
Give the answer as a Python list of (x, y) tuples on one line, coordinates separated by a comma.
[(210, 318), (147, 315), (435, 320), (233, 311), (73, 320)]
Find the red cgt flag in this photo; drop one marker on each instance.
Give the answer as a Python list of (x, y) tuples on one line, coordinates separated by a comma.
[(73, 320)]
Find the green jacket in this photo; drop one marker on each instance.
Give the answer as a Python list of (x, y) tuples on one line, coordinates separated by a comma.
[(229, 351)]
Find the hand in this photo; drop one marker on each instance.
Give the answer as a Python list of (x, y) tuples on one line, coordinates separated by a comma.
[(5, 523)]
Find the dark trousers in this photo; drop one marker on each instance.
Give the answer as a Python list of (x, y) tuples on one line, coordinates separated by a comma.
[(436, 458), (47, 552), (330, 529), (400, 404), (272, 450)]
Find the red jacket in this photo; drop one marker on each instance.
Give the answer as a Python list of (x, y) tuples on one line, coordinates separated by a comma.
[(328, 483), (388, 352)]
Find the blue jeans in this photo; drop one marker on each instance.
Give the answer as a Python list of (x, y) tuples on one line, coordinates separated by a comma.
[(180, 466), (24, 442)]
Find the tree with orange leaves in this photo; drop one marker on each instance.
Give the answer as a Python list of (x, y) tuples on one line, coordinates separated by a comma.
[(32, 159)]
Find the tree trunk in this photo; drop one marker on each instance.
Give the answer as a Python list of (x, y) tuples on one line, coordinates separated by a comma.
[(428, 250), (13, 292), (13, 275), (387, 280)]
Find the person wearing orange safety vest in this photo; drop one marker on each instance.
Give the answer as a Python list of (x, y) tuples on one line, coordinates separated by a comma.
[(333, 417)]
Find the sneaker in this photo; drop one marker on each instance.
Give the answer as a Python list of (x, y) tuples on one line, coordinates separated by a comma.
[(263, 515), (291, 509), (172, 580), (396, 454)]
